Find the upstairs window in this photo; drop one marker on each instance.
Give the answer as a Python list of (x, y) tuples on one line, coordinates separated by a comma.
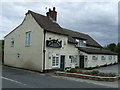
[(81, 43), (28, 38), (12, 42)]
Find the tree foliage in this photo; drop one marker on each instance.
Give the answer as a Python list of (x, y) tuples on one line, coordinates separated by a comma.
[(114, 47)]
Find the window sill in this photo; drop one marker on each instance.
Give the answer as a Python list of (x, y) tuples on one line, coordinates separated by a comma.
[(27, 46), (55, 66)]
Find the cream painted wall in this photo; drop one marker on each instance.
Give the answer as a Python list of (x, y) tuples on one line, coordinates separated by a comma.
[(30, 57), (93, 63), (99, 62), (68, 49)]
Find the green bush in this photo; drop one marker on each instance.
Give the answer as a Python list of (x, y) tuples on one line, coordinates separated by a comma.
[(73, 70), (60, 69), (78, 70), (95, 72), (101, 74), (88, 73), (110, 74), (67, 69)]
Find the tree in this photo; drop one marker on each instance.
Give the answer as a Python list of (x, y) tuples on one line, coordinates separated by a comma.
[(114, 47)]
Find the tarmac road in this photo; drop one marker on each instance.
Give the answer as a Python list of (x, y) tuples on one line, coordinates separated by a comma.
[(15, 78)]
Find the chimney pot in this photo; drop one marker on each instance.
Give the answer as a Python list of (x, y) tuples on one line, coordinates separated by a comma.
[(53, 8), (52, 14), (49, 10)]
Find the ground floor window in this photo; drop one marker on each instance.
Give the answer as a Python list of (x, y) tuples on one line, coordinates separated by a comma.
[(73, 59), (94, 58), (114, 57), (103, 58), (55, 61), (110, 57)]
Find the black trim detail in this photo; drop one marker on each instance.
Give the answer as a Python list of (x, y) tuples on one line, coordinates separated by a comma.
[(54, 43)]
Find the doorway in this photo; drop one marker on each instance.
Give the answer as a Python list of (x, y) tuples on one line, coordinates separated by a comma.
[(62, 62), (81, 61)]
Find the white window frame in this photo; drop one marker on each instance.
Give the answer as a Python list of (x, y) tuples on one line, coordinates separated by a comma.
[(55, 63), (114, 57), (28, 38), (12, 42), (110, 57), (73, 59), (94, 57), (103, 57), (80, 44)]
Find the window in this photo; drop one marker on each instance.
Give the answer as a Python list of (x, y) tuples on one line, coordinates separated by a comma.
[(12, 42), (81, 43), (73, 59), (114, 58), (28, 38), (55, 60), (86, 57), (110, 57), (64, 42), (103, 58), (94, 57)]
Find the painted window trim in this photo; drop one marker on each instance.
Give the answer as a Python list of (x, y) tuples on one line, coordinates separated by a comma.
[(110, 58), (12, 42), (55, 61), (28, 39), (102, 58), (80, 43), (95, 57)]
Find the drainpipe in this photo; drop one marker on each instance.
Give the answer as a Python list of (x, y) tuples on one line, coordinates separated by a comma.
[(44, 52), (2, 51)]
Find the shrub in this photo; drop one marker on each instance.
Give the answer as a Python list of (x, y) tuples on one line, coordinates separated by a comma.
[(110, 74), (78, 71), (101, 74), (88, 73), (67, 69), (95, 72), (60, 69), (73, 70)]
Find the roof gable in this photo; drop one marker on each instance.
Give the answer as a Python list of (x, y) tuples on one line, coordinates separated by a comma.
[(97, 51), (47, 24)]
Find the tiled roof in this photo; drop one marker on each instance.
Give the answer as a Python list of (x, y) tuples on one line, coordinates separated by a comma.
[(47, 24), (96, 51)]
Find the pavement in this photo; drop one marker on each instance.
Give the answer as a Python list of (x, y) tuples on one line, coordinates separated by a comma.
[(18, 78), (108, 69)]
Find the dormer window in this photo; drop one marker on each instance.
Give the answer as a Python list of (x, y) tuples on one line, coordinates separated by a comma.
[(81, 43)]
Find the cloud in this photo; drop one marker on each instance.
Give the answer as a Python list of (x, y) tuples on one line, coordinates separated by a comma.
[(98, 19)]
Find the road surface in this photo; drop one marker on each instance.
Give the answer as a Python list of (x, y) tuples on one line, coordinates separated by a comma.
[(15, 78)]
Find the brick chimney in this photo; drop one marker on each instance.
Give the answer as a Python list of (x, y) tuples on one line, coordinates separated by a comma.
[(52, 14)]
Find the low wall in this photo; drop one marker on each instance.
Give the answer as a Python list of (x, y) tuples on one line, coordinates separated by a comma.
[(92, 77)]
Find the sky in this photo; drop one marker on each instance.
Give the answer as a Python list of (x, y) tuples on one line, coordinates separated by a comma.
[(97, 19)]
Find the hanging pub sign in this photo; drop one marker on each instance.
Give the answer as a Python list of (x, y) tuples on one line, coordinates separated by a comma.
[(54, 43)]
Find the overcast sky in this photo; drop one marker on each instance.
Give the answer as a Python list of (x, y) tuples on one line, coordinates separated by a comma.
[(98, 19)]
